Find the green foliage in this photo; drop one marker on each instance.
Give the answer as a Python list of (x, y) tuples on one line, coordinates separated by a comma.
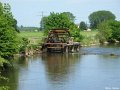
[(61, 20), (75, 32), (8, 35), (98, 17), (70, 16), (57, 20), (42, 23), (105, 32), (115, 26), (11, 21), (3, 61), (4, 79), (4, 88), (24, 43), (8, 42), (83, 26), (109, 31)]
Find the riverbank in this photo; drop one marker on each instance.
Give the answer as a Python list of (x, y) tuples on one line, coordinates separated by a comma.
[(36, 40)]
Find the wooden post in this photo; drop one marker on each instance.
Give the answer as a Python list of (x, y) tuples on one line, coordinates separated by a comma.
[(26, 51)]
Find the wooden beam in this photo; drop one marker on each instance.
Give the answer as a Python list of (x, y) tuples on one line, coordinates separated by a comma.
[(55, 47)]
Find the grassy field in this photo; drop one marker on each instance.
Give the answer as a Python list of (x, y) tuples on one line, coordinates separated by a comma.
[(33, 37), (89, 33), (31, 34), (36, 37)]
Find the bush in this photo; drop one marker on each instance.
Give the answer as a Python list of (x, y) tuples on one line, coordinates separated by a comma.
[(104, 32), (9, 41), (4, 87), (3, 62), (109, 31), (115, 26), (23, 45), (76, 34)]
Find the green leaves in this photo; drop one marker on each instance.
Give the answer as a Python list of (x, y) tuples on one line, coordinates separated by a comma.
[(8, 36), (58, 20), (98, 17), (3, 61), (109, 31), (62, 20), (83, 26)]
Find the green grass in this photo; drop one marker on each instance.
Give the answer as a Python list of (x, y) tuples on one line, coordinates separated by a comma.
[(33, 37), (89, 33), (31, 34), (89, 37)]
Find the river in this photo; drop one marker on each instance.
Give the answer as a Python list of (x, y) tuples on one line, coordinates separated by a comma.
[(91, 69)]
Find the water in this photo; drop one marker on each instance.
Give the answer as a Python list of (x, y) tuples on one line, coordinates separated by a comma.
[(73, 71), (102, 50)]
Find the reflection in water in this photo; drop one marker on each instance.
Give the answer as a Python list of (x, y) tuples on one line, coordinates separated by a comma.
[(23, 61), (13, 76), (59, 66), (13, 73)]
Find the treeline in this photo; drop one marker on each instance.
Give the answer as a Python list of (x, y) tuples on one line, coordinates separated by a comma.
[(31, 29), (102, 21), (108, 28)]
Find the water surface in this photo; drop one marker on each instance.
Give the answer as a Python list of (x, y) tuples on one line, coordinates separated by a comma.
[(71, 71)]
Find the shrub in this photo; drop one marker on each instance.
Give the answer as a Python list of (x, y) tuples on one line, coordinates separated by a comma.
[(109, 31)]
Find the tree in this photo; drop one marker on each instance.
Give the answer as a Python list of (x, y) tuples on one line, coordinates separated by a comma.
[(104, 32), (61, 20), (98, 17), (115, 26), (8, 36), (83, 26), (42, 23), (109, 31), (70, 16), (57, 20), (8, 14)]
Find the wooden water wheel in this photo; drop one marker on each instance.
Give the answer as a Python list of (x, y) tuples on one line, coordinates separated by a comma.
[(58, 40)]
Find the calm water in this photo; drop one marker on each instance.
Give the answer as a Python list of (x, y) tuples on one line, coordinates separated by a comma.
[(95, 71)]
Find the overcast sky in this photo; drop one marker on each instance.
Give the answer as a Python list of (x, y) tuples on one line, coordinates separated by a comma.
[(28, 12)]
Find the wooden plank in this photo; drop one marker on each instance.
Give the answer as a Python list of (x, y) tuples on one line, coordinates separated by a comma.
[(56, 43), (70, 45), (55, 47)]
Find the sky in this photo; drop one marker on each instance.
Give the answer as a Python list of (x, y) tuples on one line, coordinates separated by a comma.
[(29, 12)]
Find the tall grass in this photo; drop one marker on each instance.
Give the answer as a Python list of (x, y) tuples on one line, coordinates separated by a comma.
[(89, 37)]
